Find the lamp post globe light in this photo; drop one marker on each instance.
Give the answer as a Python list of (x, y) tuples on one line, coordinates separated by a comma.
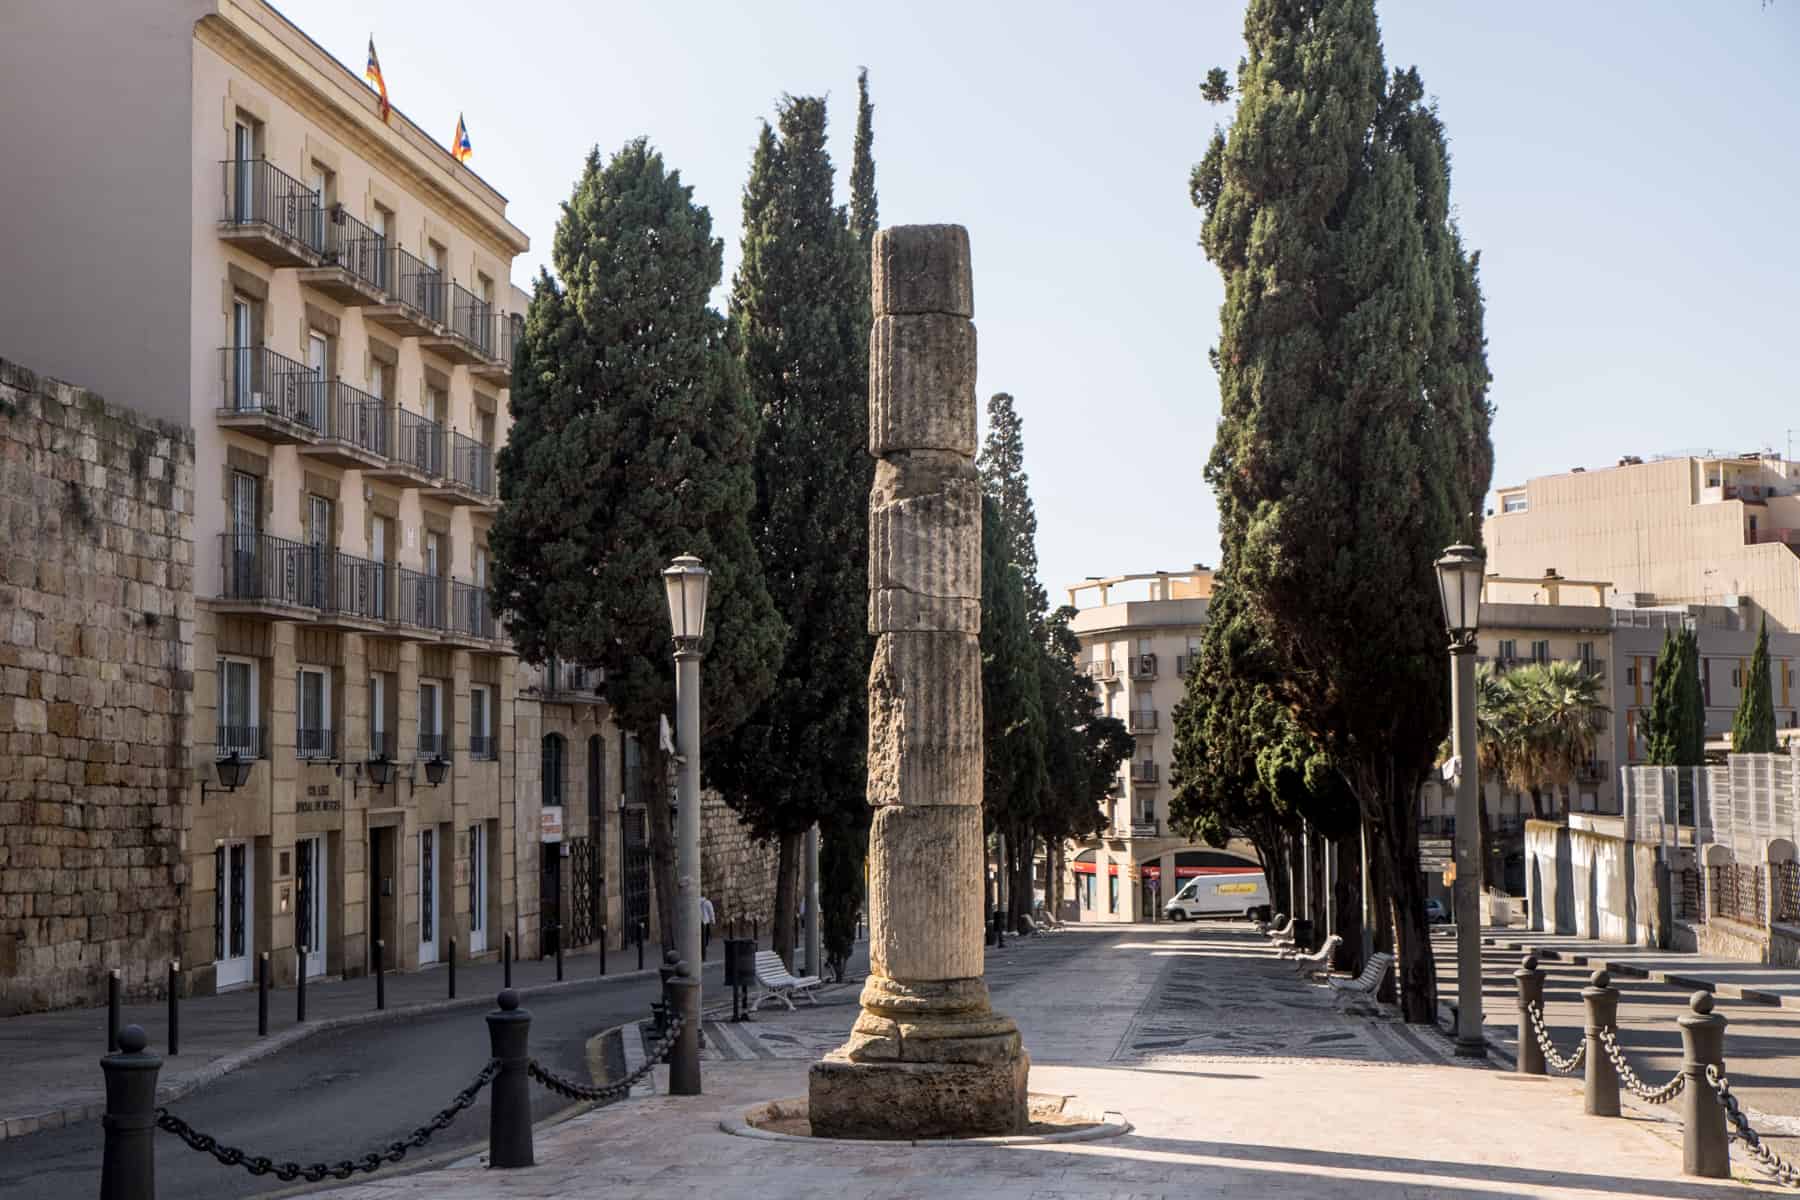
[(1459, 575), (686, 582)]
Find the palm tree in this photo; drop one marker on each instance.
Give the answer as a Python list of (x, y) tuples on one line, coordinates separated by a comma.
[(1553, 716), (1494, 735)]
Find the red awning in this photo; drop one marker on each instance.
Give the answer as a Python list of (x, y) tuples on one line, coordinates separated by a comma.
[(1151, 872), (1191, 872)]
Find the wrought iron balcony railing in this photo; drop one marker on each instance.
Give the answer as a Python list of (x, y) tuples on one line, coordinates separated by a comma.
[(355, 247), (1142, 720), (1143, 666), (357, 587), (258, 194), (315, 743), (245, 741), (261, 567), (355, 418), (424, 599), (412, 284), (419, 443), (258, 381), (471, 465), (481, 747), (433, 744), (471, 319), (470, 615)]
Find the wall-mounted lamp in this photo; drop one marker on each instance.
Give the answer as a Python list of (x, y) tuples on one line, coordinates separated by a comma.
[(232, 772), (435, 770)]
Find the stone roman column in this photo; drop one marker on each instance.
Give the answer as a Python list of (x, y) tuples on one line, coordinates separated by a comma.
[(927, 1056)]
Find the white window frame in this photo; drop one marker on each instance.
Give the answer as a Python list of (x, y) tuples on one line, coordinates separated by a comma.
[(324, 676), (437, 711), (485, 708), (252, 708)]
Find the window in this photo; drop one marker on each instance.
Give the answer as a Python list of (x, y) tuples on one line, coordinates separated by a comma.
[(632, 762), (1085, 884), (1585, 652), (239, 717), (1516, 503), (379, 692), (437, 405), (314, 732), (246, 148), (1540, 652), (481, 742), (434, 554), (319, 525), (246, 506), (1737, 677), (1509, 650), (384, 229), (431, 719), (551, 783), (1112, 893)]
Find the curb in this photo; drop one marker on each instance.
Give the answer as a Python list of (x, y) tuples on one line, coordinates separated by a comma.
[(219, 1067), (1630, 970)]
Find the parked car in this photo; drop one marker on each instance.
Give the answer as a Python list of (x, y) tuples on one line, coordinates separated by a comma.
[(1227, 894), (1436, 911)]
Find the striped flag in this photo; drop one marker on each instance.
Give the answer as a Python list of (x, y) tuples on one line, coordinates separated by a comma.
[(372, 73)]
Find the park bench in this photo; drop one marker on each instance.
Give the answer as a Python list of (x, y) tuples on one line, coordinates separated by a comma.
[(772, 975), (1364, 986), (1314, 964), (1268, 928), (1276, 932)]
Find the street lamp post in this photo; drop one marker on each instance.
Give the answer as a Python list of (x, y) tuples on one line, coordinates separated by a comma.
[(686, 581), (1459, 574)]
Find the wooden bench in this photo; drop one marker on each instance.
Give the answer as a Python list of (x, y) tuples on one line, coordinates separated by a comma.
[(775, 981), (1364, 986)]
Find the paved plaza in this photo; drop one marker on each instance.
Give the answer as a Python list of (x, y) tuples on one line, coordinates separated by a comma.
[(1236, 1078)]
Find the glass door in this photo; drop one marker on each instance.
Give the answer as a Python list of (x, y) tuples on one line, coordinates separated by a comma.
[(477, 888), (233, 939), (309, 917), (428, 895)]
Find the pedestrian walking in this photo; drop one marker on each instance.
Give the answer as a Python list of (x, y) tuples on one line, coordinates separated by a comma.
[(706, 924)]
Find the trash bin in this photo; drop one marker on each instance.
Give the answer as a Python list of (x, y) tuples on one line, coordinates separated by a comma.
[(1303, 935), (740, 962)]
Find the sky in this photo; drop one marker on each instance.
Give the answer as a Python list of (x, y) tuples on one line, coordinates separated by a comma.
[(1629, 172)]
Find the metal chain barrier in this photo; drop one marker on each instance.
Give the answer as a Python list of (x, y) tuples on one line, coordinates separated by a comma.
[(1557, 1062), (611, 1091), (287, 1172), (1628, 1077), (1784, 1171)]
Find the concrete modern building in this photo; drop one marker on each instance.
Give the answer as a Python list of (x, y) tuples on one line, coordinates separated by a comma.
[(1139, 634), (220, 223)]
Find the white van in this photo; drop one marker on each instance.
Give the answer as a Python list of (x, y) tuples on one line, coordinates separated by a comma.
[(1237, 894)]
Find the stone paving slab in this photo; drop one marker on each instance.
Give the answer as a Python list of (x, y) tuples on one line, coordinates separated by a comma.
[(1750, 983)]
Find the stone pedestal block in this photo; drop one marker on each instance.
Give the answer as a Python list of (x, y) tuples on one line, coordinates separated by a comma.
[(925, 919), (903, 1100), (896, 610), (922, 269), (925, 720), (922, 384), (925, 525)]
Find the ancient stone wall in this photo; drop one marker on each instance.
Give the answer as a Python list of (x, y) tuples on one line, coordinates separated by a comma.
[(737, 872), (96, 679)]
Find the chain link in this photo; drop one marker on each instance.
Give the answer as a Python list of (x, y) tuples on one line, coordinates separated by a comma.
[(1784, 1171), (1557, 1062), (287, 1172), (1628, 1077), (611, 1091)]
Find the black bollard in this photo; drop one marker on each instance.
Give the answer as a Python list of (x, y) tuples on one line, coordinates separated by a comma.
[(506, 959), (174, 1008), (755, 933), (112, 1011), (380, 975), (1601, 1092), (1705, 1142), (559, 956), (300, 985), (640, 942), (1531, 994), (683, 991), (509, 1104), (128, 1157), (262, 994), (603, 951), (452, 968)]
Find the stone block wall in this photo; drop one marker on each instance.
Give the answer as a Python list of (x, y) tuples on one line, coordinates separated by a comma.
[(96, 691), (737, 871)]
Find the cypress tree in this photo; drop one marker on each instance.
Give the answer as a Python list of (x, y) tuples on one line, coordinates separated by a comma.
[(1753, 727), (631, 443), (799, 318), (1661, 723), (1353, 438), (1002, 466), (1011, 698), (865, 213)]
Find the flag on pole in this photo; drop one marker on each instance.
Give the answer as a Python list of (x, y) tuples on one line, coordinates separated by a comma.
[(459, 144), (372, 73)]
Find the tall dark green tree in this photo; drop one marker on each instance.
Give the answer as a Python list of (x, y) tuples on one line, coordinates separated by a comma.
[(1675, 726), (799, 318), (1353, 439), (1753, 727), (1011, 699), (1002, 466), (844, 847), (631, 443)]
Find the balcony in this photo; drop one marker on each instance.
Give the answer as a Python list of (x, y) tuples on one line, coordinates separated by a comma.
[(1102, 670), (1143, 666), (468, 333), (262, 575), (245, 741), (270, 215), (1146, 829), (482, 747), (500, 348), (433, 744), (568, 682), (471, 620), (315, 743), (423, 607), (354, 593), (355, 430), (416, 458), (1592, 771), (470, 479), (1184, 663), (1141, 721), (1144, 774), (414, 298), (352, 258), (271, 396)]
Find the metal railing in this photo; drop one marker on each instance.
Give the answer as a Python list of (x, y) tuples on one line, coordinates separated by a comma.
[(1737, 892), (354, 246), (1687, 896), (1144, 829), (508, 331), (355, 418), (315, 743), (1184, 663), (245, 741), (419, 443), (1102, 669), (424, 599), (259, 566), (357, 587), (1143, 666), (471, 319), (1143, 772), (432, 744), (258, 380), (481, 747), (564, 678), (257, 193), (471, 464), (470, 615), (1141, 720), (413, 284), (1786, 884)]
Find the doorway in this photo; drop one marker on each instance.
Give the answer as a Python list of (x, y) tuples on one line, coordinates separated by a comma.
[(478, 888), (309, 916), (550, 898), (428, 937), (232, 938), (381, 892)]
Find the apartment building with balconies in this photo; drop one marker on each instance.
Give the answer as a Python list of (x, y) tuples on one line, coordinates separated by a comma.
[(206, 209), (1139, 634)]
